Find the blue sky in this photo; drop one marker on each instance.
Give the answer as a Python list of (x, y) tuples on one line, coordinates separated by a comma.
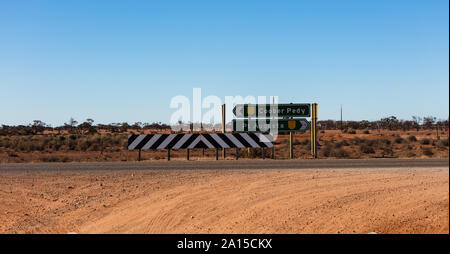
[(117, 61)]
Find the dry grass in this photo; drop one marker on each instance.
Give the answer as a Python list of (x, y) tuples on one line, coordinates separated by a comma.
[(332, 144)]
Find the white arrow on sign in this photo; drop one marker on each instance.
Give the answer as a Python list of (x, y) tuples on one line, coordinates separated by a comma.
[(305, 124), (239, 110)]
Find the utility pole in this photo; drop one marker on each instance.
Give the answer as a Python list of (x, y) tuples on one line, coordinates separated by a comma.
[(341, 117)]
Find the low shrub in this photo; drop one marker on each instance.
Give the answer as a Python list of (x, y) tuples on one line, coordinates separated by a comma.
[(49, 158), (366, 149), (339, 153), (427, 152), (411, 154), (357, 141), (443, 142), (412, 139), (11, 154), (306, 142), (399, 140), (326, 151), (426, 141), (343, 143)]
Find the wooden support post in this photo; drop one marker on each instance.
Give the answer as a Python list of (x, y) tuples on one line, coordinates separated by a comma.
[(217, 154), (187, 154), (223, 127), (168, 154), (291, 146), (237, 153), (314, 130), (316, 112), (273, 152), (262, 153), (139, 155)]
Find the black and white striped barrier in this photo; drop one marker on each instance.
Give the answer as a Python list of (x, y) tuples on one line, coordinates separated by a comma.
[(206, 140)]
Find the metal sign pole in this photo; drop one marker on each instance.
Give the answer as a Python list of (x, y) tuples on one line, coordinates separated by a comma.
[(291, 147)]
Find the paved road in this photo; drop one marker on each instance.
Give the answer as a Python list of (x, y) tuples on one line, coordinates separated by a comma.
[(230, 164)]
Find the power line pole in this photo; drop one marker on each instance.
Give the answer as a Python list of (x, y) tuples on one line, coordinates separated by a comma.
[(341, 118)]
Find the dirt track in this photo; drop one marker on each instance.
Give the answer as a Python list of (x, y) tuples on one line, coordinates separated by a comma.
[(407, 200)]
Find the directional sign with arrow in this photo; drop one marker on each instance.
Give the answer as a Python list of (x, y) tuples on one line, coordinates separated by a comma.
[(283, 125), (272, 110)]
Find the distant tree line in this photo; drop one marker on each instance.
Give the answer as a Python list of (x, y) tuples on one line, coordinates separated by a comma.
[(388, 123), (88, 126), (73, 127)]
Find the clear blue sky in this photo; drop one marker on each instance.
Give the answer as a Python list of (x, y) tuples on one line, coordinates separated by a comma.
[(117, 61)]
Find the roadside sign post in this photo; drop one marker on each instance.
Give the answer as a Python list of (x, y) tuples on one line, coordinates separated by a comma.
[(282, 117), (314, 130), (223, 127), (168, 154), (291, 147), (139, 155), (187, 154)]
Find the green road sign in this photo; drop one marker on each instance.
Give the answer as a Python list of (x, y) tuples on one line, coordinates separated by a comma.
[(262, 125), (272, 110)]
